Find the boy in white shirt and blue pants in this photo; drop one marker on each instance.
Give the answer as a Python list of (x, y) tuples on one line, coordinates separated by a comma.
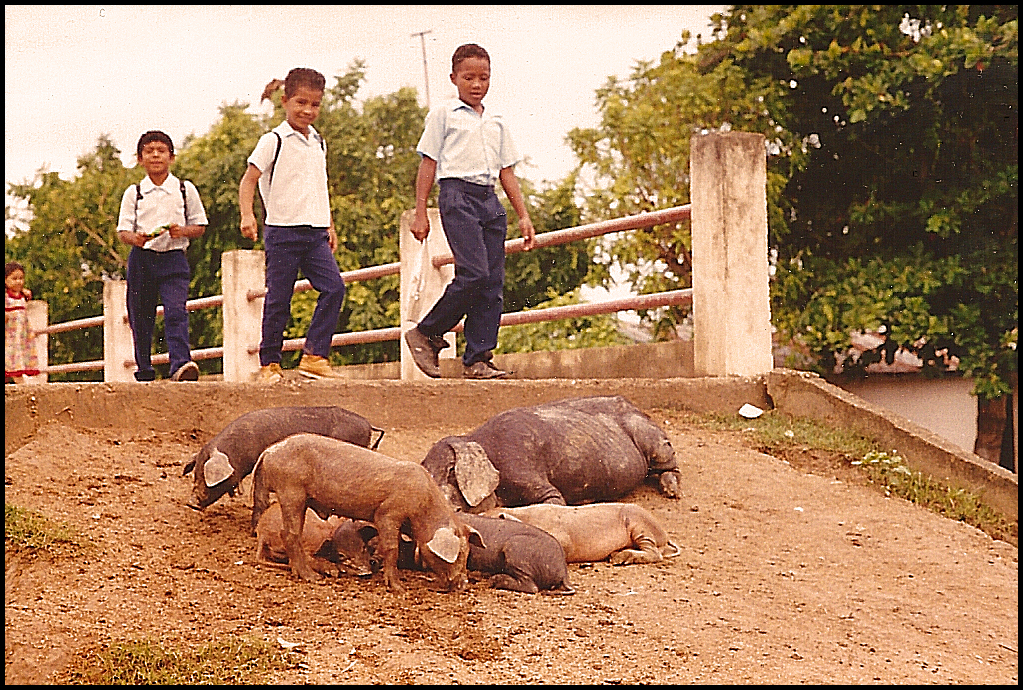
[(467, 150), (289, 164), (157, 217)]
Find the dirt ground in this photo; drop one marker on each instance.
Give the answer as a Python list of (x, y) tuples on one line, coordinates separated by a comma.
[(786, 576)]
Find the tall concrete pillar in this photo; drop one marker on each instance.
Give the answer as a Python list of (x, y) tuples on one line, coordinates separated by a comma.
[(731, 298), (242, 270), (117, 340), (421, 284), (38, 313)]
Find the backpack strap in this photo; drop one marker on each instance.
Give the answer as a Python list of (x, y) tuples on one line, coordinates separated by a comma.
[(184, 198), (270, 172), (138, 196), (277, 153), (273, 164)]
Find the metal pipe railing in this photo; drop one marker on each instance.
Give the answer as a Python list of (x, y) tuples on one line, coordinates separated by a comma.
[(548, 239)]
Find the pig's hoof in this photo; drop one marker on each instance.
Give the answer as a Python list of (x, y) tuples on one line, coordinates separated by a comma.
[(396, 588), (623, 557)]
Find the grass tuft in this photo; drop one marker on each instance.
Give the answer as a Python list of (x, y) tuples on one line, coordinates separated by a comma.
[(234, 661), (29, 531)]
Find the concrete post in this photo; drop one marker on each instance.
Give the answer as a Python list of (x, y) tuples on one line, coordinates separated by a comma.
[(242, 270), (421, 284), (117, 340), (38, 314), (731, 298)]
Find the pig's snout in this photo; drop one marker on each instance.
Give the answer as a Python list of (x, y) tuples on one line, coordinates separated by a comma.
[(196, 502), (457, 582)]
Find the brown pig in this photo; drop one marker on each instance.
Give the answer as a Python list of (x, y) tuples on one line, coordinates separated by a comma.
[(622, 533), (329, 543), (340, 478)]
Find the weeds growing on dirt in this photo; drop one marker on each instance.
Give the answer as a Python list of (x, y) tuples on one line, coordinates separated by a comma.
[(232, 661), (27, 530), (775, 432)]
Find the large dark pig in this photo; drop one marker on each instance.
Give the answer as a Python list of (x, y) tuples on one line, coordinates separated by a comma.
[(338, 478), (229, 456), (570, 451), (520, 557)]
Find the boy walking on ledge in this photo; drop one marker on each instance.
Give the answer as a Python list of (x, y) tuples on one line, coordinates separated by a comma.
[(467, 149), (289, 165), (158, 216)]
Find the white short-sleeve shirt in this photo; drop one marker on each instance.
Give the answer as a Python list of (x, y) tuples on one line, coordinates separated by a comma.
[(160, 205), (294, 189), (467, 145)]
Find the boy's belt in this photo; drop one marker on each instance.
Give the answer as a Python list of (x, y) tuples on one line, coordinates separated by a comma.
[(466, 186)]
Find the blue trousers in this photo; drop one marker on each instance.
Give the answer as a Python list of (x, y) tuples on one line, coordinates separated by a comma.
[(158, 277), (288, 249), (475, 224)]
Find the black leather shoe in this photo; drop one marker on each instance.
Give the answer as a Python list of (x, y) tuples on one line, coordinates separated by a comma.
[(484, 370), (424, 351)]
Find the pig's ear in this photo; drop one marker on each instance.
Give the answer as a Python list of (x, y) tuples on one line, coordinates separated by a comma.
[(189, 466), (367, 531), (444, 545), (476, 476), (217, 468), (475, 538)]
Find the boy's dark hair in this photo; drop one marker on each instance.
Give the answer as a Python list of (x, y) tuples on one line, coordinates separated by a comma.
[(11, 267), (464, 52), (303, 76), (151, 136), (300, 76)]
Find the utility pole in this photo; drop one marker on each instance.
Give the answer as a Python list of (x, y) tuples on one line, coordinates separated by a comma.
[(426, 74)]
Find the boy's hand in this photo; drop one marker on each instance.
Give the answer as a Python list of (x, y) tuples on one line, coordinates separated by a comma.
[(175, 230), (248, 228), (332, 238), (528, 233), (420, 227)]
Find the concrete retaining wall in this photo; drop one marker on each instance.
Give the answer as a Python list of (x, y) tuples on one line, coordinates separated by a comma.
[(207, 406), (804, 394)]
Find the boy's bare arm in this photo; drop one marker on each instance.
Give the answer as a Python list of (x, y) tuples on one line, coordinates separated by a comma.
[(135, 239), (189, 231), (510, 183), (246, 195), (424, 183)]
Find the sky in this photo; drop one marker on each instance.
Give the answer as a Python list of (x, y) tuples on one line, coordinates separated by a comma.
[(74, 73)]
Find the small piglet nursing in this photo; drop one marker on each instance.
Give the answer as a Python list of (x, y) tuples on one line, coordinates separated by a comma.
[(229, 457), (335, 477), (328, 543), (520, 557)]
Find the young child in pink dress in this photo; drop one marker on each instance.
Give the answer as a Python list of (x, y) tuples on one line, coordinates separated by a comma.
[(19, 343)]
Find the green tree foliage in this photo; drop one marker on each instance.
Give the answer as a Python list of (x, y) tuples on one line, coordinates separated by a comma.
[(215, 163), (599, 330), (72, 245), (535, 274), (892, 177)]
